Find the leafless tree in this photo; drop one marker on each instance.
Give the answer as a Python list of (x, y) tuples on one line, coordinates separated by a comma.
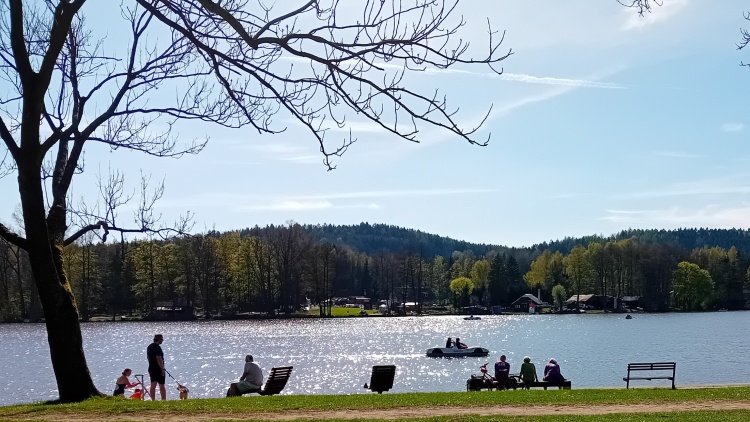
[(643, 6), (234, 63)]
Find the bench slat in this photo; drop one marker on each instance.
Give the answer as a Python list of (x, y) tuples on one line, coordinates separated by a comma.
[(567, 384)]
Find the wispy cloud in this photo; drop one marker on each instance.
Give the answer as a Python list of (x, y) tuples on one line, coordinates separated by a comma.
[(518, 77), (567, 196), (659, 13), (290, 206), (706, 187), (709, 216), (397, 193), (304, 159), (277, 150), (530, 79), (732, 127), (303, 206), (678, 154), (302, 202)]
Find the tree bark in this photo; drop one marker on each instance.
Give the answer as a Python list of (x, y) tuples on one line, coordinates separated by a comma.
[(72, 374)]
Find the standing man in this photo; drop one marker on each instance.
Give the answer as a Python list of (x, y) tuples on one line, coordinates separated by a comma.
[(156, 370), (502, 370)]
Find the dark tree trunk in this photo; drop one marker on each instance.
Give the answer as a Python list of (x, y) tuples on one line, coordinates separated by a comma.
[(44, 246)]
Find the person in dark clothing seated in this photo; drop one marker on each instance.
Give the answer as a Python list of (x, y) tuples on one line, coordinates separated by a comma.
[(123, 382), (449, 343), (461, 345), (502, 370), (552, 372)]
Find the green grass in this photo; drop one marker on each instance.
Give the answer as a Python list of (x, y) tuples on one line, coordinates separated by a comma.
[(340, 311), (123, 409), (390, 401)]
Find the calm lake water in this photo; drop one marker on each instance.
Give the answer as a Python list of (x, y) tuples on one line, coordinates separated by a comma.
[(335, 356)]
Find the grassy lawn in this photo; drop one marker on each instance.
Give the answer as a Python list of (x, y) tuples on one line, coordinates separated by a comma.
[(340, 311), (368, 405)]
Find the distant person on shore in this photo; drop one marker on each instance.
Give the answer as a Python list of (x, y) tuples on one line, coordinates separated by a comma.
[(460, 345), (449, 343), (251, 380), (552, 372), (502, 370), (528, 371), (156, 369), (123, 382)]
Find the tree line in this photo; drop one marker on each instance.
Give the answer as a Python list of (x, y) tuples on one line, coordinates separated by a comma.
[(276, 269)]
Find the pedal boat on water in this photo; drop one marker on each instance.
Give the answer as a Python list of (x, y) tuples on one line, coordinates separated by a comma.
[(440, 352)]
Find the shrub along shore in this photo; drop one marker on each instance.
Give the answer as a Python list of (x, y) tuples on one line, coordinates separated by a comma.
[(699, 404)]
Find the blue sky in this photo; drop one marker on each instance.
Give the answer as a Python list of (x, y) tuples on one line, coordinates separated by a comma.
[(602, 121)]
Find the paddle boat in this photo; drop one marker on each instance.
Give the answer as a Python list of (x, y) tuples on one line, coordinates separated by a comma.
[(472, 318), (441, 352)]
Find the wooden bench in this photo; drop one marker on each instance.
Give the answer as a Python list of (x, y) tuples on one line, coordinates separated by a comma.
[(276, 380), (651, 366), (381, 378), (564, 385)]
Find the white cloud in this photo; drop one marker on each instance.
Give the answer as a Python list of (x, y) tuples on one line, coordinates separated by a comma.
[(678, 154), (302, 206), (277, 150), (304, 159), (397, 193), (518, 77), (708, 216), (708, 187), (290, 206), (732, 127), (659, 13)]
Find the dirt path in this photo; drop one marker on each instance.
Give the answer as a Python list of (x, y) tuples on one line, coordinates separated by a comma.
[(420, 412)]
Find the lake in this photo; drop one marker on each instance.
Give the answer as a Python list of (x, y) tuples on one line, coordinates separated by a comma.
[(335, 356)]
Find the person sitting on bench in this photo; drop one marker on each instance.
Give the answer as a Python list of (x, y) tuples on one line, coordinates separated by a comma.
[(251, 380), (528, 371), (552, 372)]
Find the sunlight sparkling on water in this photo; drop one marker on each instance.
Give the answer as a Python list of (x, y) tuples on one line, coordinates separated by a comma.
[(334, 356)]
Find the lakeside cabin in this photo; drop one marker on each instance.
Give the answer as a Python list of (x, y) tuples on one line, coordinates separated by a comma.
[(591, 301), (527, 302), (177, 310)]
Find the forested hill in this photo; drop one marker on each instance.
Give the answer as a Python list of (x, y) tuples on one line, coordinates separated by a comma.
[(687, 238), (374, 238)]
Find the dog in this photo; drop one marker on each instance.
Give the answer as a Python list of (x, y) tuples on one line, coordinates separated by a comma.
[(183, 391)]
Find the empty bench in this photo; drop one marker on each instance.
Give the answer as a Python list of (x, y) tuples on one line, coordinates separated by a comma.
[(562, 385), (381, 378), (660, 368)]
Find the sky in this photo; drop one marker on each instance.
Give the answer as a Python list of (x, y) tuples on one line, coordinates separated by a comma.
[(601, 121)]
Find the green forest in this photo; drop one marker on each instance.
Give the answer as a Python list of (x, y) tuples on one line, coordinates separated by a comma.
[(276, 269)]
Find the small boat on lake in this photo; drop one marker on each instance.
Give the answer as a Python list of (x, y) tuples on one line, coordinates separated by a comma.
[(472, 318), (444, 352)]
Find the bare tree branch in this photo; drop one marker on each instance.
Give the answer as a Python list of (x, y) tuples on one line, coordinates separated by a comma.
[(12, 238), (643, 6)]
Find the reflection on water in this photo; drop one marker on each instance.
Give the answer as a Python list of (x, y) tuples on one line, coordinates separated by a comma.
[(334, 356)]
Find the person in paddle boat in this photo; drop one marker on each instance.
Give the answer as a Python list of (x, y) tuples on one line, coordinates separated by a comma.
[(449, 343), (460, 345)]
